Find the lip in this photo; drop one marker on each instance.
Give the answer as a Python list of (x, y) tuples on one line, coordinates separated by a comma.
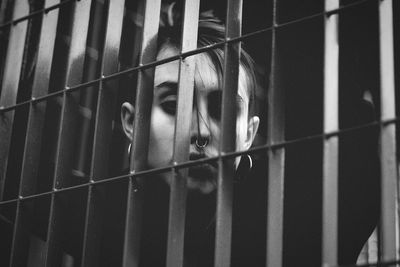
[(203, 171), (197, 156)]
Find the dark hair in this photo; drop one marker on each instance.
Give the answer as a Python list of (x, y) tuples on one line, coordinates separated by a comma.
[(211, 30)]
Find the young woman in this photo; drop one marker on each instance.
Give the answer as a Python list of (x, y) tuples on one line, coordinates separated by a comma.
[(204, 140), (206, 117)]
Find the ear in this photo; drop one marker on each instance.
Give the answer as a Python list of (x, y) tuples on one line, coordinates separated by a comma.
[(252, 128), (127, 119)]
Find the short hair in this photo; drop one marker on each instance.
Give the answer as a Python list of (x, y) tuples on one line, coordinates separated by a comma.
[(211, 30)]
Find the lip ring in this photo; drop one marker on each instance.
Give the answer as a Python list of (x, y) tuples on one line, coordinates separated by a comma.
[(203, 145)]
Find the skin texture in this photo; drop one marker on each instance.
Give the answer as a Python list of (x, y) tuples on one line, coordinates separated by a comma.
[(205, 118)]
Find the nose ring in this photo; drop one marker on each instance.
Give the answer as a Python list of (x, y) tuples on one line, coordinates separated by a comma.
[(202, 144)]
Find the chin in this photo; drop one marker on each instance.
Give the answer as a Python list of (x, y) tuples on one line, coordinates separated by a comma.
[(201, 179), (204, 187)]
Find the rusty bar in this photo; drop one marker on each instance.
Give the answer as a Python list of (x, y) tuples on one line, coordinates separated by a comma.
[(223, 230), (33, 140), (330, 148), (138, 159), (64, 144), (389, 173), (276, 157), (177, 208), (106, 102), (9, 90)]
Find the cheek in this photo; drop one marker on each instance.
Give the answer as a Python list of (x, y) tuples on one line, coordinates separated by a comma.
[(161, 138), (241, 128), (241, 132)]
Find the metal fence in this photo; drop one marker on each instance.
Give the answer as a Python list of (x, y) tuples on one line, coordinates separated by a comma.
[(329, 111)]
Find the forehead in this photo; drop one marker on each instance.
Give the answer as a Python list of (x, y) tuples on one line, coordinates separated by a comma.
[(206, 77), (206, 74)]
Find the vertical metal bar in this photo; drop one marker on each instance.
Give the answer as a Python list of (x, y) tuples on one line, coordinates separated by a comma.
[(106, 102), (40, 88), (389, 175), (7, 217), (36, 115), (226, 170), (4, 31), (88, 96), (64, 152), (3, 7), (276, 157), (177, 204), (12, 72), (138, 160), (17, 236), (330, 148)]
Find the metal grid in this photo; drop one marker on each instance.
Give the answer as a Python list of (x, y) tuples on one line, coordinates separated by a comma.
[(101, 82)]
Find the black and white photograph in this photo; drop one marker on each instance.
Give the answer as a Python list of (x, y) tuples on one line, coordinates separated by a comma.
[(199, 133)]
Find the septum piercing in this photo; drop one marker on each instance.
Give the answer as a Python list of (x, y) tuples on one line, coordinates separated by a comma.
[(204, 142), (203, 145)]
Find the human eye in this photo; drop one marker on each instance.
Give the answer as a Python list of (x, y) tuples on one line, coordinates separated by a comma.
[(168, 104), (214, 105)]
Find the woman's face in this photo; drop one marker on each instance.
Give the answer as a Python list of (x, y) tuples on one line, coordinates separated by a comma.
[(205, 123)]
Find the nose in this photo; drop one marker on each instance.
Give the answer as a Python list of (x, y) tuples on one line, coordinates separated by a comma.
[(200, 130)]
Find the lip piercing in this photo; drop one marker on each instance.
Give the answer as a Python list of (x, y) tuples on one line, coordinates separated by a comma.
[(203, 144)]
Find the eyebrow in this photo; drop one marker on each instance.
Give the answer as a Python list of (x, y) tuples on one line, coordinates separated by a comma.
[(167, 88), (170, 85)]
